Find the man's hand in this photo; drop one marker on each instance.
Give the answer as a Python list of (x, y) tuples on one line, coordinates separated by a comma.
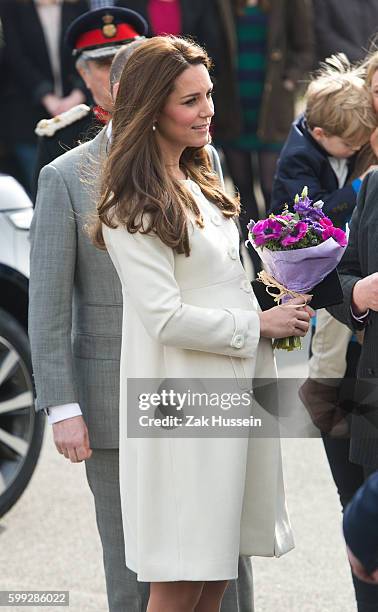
[(52, 103), (359, 570), (72, 440), (73, 99), (365, 294)]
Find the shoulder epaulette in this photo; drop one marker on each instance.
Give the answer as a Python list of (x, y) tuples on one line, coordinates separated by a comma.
[(48, 127)]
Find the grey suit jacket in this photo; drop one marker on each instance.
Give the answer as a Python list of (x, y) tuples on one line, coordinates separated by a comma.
[(360, 260), (75, 297)]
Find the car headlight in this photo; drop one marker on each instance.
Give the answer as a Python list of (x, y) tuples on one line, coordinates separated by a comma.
[(21, 219)]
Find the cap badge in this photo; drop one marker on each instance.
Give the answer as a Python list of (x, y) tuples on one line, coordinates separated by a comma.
[(109, 29)]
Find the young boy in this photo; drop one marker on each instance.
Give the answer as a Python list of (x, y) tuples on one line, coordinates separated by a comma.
[(320, 152), (321, 148)]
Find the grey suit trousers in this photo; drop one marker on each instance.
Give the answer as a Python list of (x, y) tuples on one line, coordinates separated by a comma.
[(125, 593)]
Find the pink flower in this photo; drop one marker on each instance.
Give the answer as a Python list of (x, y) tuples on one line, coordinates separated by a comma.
[(335, 233), (326, 222), (268, 229), (296, 234), (284, 217)]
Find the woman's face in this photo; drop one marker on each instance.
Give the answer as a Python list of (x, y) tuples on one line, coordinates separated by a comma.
[(185, 119), (374, 90)]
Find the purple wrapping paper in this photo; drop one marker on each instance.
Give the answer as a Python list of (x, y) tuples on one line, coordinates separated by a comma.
[(301, 269)]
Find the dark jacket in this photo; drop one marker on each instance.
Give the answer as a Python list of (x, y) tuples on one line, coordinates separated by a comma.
[(344, 25), (290, 56), (360, 260), (303, 162), (361, 524), (65, 139), (28, 64)]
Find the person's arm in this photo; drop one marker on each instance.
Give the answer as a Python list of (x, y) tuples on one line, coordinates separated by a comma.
[(361, 528), (52, 270), (23, 69), (300, 38), (349, 269), (146, 265), (328, 36)]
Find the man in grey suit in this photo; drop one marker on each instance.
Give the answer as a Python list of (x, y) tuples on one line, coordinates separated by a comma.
[(75, 324)]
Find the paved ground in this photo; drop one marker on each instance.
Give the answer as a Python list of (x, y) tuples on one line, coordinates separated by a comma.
[(49, 540)]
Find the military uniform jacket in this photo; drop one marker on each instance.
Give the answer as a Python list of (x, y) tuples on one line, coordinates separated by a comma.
[(64, 139)]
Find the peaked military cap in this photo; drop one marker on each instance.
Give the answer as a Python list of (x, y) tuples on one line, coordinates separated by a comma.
[(100, 33)]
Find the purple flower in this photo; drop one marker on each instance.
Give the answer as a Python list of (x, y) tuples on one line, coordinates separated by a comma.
[(305, 208), (314, 225), (302, 205), (268, 229), (296, 234)]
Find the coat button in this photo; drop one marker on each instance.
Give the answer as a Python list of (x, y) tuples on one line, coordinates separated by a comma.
[(238, 341), (276, 55), (233, 252), (246, 286), (216, 219)]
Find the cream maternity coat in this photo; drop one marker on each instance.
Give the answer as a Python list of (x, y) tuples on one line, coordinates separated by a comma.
[(191, 506)]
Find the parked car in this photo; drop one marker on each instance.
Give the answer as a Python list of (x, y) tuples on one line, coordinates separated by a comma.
[(21, 428)]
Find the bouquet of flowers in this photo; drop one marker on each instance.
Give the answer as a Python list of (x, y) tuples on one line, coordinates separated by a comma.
[(298, 250)]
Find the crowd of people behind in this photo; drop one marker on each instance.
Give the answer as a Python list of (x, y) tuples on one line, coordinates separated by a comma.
[(263, 53)]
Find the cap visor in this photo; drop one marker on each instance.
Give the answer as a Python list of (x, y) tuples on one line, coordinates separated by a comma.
[(93, 54)]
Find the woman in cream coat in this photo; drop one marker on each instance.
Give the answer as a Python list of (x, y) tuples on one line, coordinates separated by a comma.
[(191, 506)]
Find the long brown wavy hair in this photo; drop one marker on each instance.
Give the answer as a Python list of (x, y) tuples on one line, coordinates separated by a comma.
[(137, 190)]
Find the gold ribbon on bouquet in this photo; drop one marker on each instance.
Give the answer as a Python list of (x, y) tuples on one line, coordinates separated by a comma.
[(271, 283)]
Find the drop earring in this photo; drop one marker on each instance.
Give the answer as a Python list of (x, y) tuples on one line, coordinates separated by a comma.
[(154, 128)]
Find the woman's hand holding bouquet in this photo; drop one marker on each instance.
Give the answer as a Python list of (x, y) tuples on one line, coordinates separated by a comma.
[(298, 250), (290, 318)]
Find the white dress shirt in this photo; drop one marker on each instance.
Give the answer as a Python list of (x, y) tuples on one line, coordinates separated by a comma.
[(63, 412)]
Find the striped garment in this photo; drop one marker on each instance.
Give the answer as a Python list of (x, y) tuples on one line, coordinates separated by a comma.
[(252, 32)]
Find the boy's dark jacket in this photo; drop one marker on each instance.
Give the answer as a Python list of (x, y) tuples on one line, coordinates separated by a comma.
[(303, 162)]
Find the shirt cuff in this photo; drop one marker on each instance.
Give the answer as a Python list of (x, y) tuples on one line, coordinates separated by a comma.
[(359, 318), (63, 412), (356, 184)]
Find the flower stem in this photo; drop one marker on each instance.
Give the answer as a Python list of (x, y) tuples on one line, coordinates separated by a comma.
[(291, 343)]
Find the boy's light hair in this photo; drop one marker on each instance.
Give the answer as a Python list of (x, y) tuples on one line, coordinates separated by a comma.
[(339, 101)]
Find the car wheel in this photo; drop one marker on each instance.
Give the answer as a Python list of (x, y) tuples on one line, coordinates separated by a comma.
[(21, 429)]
